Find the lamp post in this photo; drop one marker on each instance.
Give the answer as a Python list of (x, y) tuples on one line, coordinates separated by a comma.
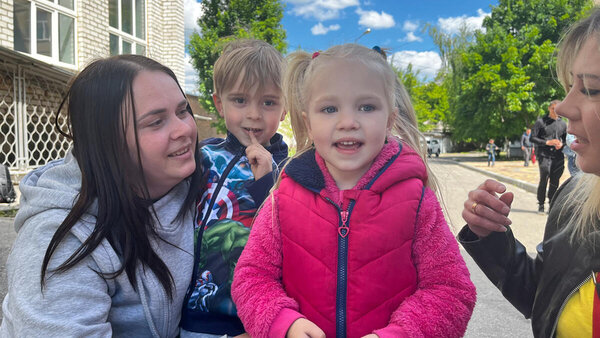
[(367, 31)]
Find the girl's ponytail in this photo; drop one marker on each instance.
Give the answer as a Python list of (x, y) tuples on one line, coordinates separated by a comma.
[(294, 89)]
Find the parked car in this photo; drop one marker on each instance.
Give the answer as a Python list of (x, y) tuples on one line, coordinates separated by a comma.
[(433, 147), (513, 149)]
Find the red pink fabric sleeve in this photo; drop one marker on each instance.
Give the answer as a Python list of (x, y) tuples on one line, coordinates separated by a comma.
[(443, 302), (262, 304)]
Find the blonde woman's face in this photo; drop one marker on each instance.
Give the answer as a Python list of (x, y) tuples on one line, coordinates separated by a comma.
[(582, 107)]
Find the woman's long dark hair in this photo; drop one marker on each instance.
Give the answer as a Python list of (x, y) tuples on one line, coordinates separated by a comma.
[(97, 101)]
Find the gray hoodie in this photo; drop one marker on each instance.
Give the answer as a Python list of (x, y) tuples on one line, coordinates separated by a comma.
[(80, 302)]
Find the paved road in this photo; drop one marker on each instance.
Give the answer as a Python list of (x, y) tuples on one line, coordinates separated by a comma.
[(7, 237), (493, 316)]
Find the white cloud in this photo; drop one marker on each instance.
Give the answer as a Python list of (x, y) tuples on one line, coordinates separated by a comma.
[(410, 26), (192, 10), (427, 63), (375, 20), (191, 76), (319, 29), (321, 10), (452, 25), (411, 37)]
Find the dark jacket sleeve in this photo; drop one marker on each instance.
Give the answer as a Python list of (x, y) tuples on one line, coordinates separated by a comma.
[(536, 136), (505, 261), (259, 189)]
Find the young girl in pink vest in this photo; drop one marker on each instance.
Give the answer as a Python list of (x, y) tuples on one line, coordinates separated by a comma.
[(352, 242)]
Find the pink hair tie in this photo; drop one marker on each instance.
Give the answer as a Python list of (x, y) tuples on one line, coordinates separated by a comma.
[(315, 54)]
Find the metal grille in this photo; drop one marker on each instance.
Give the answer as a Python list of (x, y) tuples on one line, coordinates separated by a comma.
[(28, 105), (8, 151)]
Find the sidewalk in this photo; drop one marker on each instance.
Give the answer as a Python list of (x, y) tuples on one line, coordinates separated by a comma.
[(507, 171)]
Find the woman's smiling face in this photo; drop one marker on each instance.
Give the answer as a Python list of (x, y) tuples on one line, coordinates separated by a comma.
[(166, 132), (582, 106)]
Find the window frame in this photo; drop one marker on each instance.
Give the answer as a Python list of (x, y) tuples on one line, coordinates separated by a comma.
[(55, 10), (126, 37)]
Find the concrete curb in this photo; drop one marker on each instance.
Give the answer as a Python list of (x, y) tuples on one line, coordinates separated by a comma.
[(9, 206), (519, 183)]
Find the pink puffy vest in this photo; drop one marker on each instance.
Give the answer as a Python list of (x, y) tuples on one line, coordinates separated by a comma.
[(350, 277)]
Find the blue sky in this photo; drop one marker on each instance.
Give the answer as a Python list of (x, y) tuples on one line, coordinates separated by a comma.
[(318, 24)]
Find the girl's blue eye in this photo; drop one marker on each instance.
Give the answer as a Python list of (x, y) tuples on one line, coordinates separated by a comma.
[(329, 109), (270, 103), (239, 100), (367, 107)]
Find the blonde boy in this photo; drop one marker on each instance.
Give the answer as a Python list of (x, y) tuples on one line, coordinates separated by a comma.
[(239, 170)]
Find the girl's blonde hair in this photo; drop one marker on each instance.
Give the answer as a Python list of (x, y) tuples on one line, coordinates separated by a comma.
[(301, 70), (583, 202)]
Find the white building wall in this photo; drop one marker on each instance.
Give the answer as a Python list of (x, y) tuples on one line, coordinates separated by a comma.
[(6, 24), (92, 31), (166, 35), (164, 32)]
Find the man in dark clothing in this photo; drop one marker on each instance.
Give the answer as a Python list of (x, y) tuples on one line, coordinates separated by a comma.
[(526, 146), (549, 136)]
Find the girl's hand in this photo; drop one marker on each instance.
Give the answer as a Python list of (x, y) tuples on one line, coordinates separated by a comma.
[(484, 211), (371, 335), (304, 328), (243, 335), (260, 159)]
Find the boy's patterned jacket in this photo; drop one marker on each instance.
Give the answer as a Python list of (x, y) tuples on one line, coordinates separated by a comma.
[(225, 212)]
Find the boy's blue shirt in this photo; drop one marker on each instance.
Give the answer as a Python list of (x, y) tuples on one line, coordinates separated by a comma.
[(208, 307)]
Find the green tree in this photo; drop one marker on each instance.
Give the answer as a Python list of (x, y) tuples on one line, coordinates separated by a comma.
[(430, 99), (506, 75), (223, 21)]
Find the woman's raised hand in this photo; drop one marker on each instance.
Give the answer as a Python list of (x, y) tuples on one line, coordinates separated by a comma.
[(487, 208)]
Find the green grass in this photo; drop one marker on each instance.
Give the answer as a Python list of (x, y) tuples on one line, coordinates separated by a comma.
[(8, 213)]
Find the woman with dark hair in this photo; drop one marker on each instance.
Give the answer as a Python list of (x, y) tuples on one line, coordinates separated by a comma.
[(105, 235)]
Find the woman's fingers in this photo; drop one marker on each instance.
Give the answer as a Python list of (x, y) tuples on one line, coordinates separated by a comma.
[(484, 211)]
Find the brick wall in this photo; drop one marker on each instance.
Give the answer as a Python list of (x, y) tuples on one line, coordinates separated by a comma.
[(165, 35), (92, 33), (204, 129), (6, 24)]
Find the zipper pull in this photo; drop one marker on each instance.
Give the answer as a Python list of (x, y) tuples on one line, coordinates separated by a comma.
[(344, 230)]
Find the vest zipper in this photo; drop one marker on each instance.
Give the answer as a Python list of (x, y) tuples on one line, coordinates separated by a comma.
[(564, 303), (342, 270)]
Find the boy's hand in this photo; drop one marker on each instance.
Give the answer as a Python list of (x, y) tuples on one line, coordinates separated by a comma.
[(304, 328), (261, 160)]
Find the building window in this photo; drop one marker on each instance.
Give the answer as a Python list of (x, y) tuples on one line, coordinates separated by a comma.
[(45, 29), (127, 31)]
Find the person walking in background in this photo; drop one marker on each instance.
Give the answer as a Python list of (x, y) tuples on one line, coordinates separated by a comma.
[(549, 135), (571, 155), (526, 146), (491, 152)]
